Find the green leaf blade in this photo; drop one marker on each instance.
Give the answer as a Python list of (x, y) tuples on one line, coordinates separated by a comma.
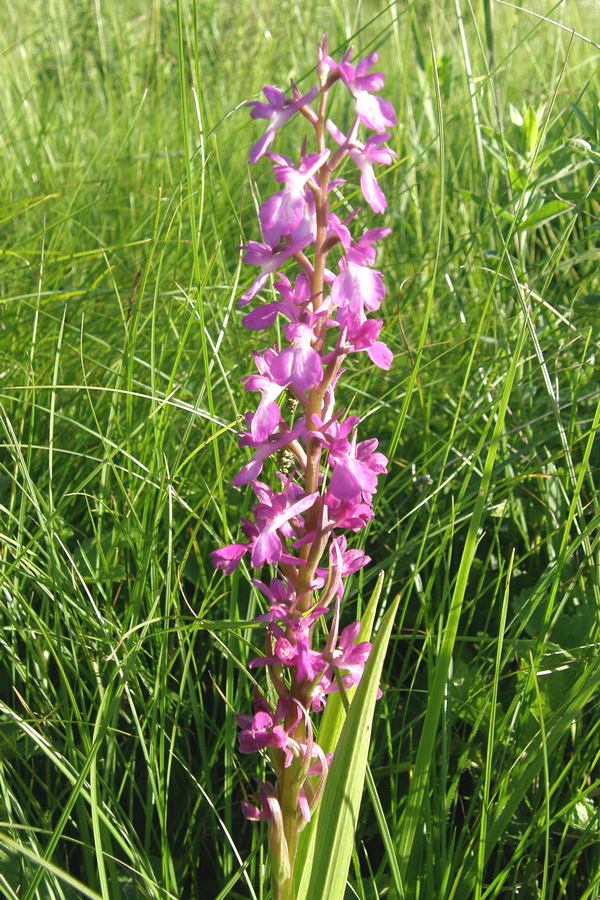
[(330, 729), (339, 810)]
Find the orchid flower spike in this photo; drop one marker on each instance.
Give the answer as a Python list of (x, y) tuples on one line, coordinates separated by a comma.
[(326, 478)]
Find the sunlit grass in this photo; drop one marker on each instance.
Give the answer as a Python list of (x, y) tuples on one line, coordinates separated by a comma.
[(123, 654)]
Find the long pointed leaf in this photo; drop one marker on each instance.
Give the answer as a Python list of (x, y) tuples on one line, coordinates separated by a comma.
[(330, 729), (340, 805)]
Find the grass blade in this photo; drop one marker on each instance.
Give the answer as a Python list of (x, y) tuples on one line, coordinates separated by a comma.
[(425, 751)]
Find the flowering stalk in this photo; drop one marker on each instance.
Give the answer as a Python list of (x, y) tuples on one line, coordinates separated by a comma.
[(329, 479)]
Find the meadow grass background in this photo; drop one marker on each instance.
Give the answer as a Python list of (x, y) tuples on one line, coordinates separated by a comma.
[(125, 196)]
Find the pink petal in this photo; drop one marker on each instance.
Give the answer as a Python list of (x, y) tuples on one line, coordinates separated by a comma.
[(350, 478), (371, 190), (298, 366), (380, 354), (253, 290), (252, 812), (261, 317), (265, 420), (267, 547), (374, 112), (228, 558), (261, 146), (248, 472)]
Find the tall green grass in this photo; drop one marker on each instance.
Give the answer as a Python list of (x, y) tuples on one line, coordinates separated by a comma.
[(123, 654)]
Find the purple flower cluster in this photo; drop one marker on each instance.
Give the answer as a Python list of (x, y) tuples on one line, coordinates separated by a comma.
[(329, 477)]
